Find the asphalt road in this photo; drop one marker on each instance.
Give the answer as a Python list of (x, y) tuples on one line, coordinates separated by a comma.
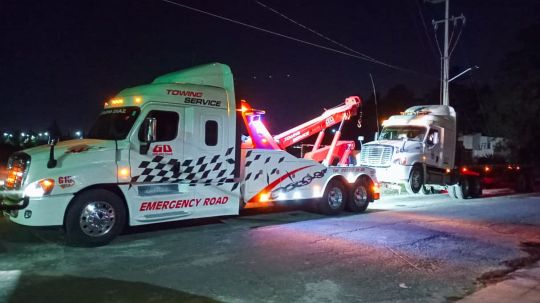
[(405, 249)]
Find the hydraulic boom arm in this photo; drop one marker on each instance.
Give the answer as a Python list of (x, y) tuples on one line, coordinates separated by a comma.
[(261, 138), (328, 119)]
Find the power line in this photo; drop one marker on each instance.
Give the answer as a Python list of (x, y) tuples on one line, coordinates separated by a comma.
[(457, 39), (426, 30), (294, 39), (313, 31)]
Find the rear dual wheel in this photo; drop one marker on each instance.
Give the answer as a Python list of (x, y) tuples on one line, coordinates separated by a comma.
[(334, 198), (359, 197), (462, 189), (476, 187), (467, 187)]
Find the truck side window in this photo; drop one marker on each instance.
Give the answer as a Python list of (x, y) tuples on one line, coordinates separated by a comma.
[(433, 137), (166, 125), (211, 133)]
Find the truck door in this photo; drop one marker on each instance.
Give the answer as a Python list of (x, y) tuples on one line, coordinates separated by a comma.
[(433, 147), (154, 192), (209, 160)]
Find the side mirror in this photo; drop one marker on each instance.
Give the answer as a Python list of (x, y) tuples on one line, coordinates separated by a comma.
[(148, 134)]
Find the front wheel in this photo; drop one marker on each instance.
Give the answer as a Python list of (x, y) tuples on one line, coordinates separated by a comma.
[(95, 217), (415, 185), (334, 198)]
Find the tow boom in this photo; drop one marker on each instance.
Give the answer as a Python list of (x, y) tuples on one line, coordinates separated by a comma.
[(261, 138)]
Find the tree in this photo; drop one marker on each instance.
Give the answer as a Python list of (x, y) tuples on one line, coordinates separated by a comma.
[(514, 110)]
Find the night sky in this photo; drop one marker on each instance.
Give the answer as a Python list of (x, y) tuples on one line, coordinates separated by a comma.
[(60, 60)]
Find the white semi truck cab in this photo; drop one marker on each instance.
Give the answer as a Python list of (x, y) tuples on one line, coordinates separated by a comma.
[(416, 148), (171, 150)]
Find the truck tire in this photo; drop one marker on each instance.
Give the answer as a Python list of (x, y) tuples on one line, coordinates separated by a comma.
[(475, 187), (462, 189), (94, 218), (359, 197), (334, 199), (416, 181)]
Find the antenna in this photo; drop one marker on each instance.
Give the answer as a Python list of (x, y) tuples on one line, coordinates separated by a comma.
[(375, 97)]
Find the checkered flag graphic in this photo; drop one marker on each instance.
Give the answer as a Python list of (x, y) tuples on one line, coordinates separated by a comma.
[(207, 170)]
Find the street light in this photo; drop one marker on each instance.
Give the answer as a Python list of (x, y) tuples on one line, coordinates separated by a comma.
[(463, 72)]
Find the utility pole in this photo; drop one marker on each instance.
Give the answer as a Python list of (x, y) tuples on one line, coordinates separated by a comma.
[(446, 56)]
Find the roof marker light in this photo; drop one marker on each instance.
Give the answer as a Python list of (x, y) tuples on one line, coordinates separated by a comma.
[(117, 102)]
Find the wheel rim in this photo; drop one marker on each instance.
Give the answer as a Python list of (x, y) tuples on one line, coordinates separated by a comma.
[(360, 195), (97, 218), (335, 197)]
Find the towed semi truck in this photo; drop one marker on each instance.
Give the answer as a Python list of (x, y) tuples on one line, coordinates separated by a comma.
[(418, 149), (172, 150)]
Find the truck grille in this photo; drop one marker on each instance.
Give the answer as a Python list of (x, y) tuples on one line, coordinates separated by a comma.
[(17, 168), (376, 155)]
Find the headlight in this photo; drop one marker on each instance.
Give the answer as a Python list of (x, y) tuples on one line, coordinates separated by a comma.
[(39, 188)]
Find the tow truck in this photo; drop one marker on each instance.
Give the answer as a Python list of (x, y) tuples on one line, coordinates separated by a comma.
[(172, 150)]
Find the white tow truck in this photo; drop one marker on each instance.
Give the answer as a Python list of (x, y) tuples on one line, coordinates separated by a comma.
[(172, 150)]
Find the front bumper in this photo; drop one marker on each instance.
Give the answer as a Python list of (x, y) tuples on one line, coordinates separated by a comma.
[(43, 211), (393, 174), (7, 205)]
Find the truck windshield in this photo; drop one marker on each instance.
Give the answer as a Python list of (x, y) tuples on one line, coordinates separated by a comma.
[(114, 123), (413, 133)]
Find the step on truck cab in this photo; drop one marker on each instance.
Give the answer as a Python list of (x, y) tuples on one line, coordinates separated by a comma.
[(171, 150)]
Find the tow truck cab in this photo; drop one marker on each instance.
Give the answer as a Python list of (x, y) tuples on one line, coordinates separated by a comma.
[(180, 127)]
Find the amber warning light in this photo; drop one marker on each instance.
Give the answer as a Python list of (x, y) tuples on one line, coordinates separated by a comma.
[(115, 102)]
